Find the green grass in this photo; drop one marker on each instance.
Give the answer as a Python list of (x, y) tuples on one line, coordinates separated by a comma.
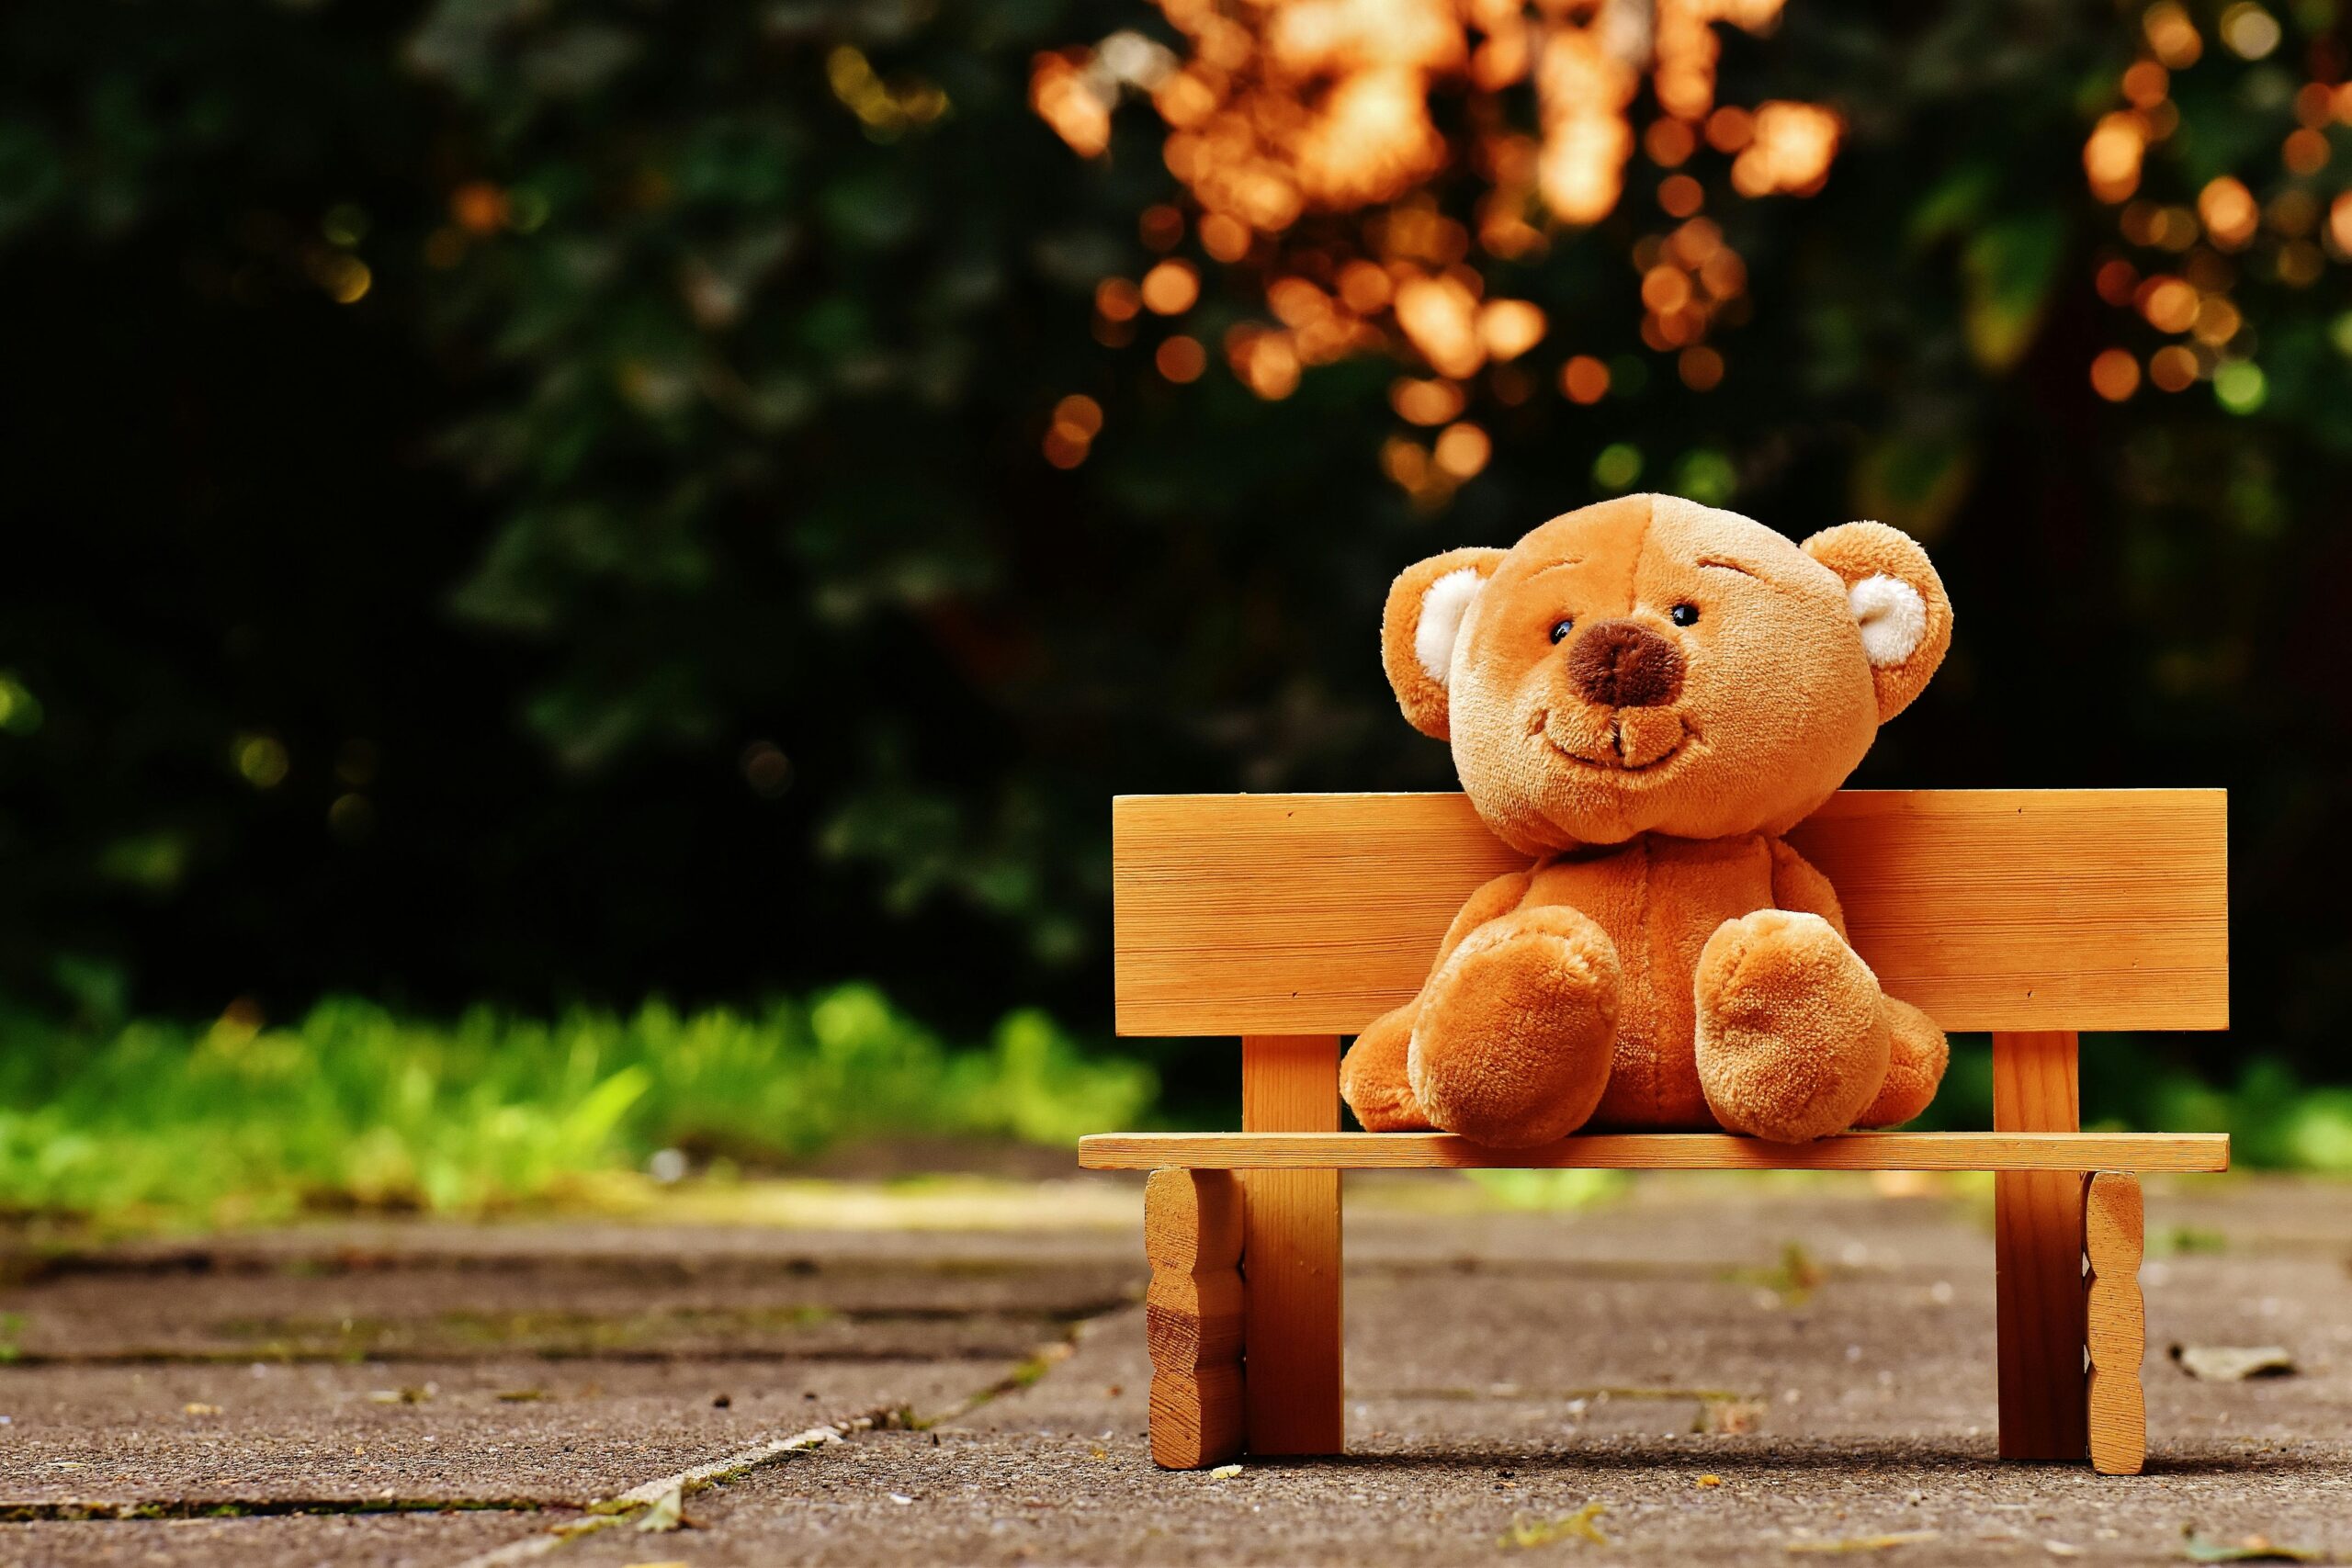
[(354, 1107)]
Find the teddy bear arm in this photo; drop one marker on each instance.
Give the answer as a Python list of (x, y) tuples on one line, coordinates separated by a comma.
[(1799, 887), (1492, 899)]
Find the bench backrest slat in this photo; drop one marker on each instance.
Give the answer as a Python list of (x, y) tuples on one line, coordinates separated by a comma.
[(2009, 909)]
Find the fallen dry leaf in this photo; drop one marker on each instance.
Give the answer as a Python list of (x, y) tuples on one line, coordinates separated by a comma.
[(2245, 1548), (402, 1396), (667, 1512), (1733, 1417), (1866, 1542), (1710, 1481), (1225, 1473), (1791, 1283), (2234, 1363), (1582, 1525)]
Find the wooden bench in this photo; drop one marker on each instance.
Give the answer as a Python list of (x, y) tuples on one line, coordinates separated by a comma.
[(1292, 921)]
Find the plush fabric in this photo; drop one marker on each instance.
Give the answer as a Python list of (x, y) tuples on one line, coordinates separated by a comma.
[(1642, 696)]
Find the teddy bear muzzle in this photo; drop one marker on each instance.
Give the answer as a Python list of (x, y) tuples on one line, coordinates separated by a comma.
[(1624, 664)]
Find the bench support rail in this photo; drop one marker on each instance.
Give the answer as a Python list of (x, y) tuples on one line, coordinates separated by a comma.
[(1290, 1258), (2037, 1256)]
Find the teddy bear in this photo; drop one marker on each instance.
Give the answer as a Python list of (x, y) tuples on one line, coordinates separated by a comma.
[(1642, 696)]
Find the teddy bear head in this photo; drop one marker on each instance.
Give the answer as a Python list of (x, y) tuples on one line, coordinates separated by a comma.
[(1651, 665)]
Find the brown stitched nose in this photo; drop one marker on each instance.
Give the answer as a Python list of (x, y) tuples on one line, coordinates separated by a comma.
[(1624, 664)]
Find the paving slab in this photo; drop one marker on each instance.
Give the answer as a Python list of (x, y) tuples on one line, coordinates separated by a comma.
[(515, 1431), (1695, 1368), (357, 1540), (1668, 1361)]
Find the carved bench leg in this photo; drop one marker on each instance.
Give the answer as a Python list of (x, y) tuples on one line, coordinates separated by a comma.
[(2115, 1323), (1192, 1234)]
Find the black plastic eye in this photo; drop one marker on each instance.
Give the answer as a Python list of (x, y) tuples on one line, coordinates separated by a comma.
[(1684, 614), (1561, 629)]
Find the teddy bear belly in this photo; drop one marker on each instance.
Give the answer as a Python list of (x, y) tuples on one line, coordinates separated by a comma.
[(1659, 900)]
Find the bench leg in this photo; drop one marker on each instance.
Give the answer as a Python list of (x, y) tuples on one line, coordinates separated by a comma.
[(1192, 1234), (1290, 1258), (2115, 1323), (2037, 1256)]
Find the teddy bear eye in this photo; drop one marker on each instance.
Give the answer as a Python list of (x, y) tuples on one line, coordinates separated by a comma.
[(1684, 614), (1561, 629)]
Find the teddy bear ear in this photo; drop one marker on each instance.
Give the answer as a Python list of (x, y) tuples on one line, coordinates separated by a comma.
[(1897, 602), (1419, 628)]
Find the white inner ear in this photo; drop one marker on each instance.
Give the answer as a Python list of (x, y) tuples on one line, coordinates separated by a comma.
[(1893, 616), (1444, 607)]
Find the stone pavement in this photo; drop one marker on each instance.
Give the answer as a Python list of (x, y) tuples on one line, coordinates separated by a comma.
[(1697, 1370)]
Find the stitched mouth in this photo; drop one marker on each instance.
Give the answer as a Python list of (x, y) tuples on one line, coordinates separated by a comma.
[(1613, 759)]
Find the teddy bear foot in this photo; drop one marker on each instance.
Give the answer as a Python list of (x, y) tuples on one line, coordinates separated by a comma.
[(1517, 1028), (1373, 1079), (1915, 1067), (1792, 1040)]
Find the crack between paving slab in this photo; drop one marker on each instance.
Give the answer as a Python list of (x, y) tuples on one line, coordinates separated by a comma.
[(257, 1507), (280, 1350), (24, 1266), (612, 1511), (426, 1355)]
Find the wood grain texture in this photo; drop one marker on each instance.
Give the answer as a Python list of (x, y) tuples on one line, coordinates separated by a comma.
[(2037, 1256), (1193, 1321), (1993, 909), (2115, 1323), (1290, 1256), (1197, 1417), (2059, 1152), (1192, 1220), (1193, 1316)]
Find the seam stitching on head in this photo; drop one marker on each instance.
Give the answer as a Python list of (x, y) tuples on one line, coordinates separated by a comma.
[(1641, 553)]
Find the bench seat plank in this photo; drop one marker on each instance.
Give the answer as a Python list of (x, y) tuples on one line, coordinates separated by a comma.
[(1660, 1151)]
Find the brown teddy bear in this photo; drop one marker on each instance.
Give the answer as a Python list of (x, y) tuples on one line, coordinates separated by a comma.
[(1644, 696)]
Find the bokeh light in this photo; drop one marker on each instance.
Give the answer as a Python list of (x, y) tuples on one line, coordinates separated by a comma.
[(1305, 135), (2226, 219), (2115, 375)]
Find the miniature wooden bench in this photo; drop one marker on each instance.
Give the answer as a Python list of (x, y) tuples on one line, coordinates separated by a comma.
[(1292, 921)]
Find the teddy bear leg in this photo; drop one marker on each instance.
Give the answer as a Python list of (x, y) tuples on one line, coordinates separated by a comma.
[(1373, 1079), (1517, 1028), (1792, 1041), (1915, 1067)]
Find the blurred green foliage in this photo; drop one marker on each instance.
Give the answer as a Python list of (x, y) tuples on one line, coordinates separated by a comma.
[(353, 1106), (2277, 1117), (543, 503)]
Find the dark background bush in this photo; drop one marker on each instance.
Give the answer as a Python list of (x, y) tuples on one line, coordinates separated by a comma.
[(665, 591)]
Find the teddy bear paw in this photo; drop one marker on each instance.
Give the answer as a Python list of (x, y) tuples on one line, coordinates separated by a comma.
[(1517, 1028), (1792, 1040)]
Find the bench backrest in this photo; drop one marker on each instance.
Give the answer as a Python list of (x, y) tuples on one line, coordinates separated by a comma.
[(1993, 909)]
